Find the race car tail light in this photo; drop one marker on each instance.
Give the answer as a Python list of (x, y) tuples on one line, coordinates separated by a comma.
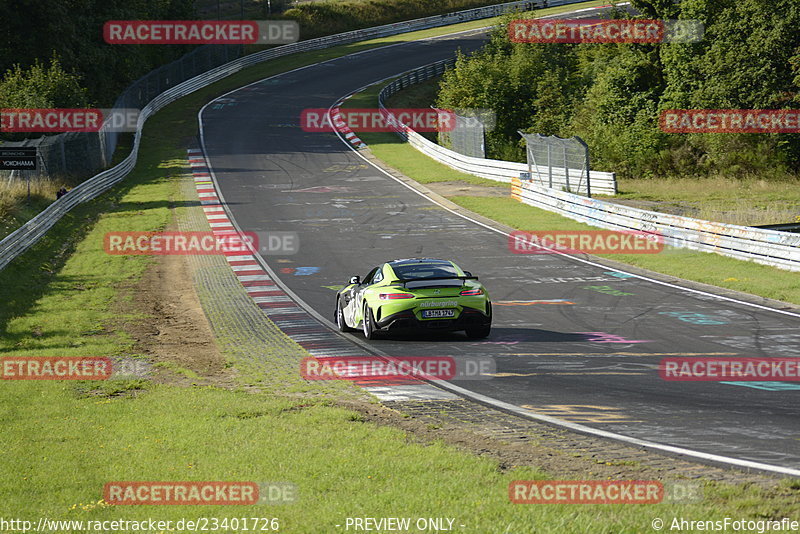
[(471, 292), (395, 296)]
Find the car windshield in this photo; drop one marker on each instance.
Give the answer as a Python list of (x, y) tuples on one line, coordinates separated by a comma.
[(418, 271)]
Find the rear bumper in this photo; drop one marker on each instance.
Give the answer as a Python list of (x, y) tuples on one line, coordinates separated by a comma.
[(406, 320)]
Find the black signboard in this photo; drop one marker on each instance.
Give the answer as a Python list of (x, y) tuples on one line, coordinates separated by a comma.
[(21, 158)]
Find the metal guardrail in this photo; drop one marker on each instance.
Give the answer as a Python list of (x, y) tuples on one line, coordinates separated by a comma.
[(28, 234), (769, 247), (601, 183), (468, 134), (785, 227), (86, 153)]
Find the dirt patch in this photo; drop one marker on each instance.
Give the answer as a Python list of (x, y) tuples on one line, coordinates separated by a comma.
[(174, 334), (513, 442), (509, 455), (459, 188), (680, 208)]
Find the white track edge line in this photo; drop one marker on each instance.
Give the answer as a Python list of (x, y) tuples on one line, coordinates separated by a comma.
[(451, 387)]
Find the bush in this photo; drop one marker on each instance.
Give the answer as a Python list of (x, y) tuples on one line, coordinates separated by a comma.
[(42, 86), (327, 17), (612, 94), (74, 31)]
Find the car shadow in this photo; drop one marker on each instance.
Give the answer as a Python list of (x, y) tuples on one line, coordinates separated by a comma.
[(498, 335)]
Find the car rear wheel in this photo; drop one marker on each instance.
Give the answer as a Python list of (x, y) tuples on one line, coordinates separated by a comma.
[(340, 322), (368, 324), (478, 332)]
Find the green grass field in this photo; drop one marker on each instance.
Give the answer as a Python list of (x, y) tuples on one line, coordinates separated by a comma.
[(748, 201), (704, 267), (62, 441), (15, 211)]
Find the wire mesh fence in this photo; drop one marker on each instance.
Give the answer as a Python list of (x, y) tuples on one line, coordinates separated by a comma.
[(467, 136), (29, 233), (558, 163), (85, 153)]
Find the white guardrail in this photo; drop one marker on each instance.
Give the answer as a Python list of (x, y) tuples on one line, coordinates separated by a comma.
[(27, 235), (601, 183), (769, 247)]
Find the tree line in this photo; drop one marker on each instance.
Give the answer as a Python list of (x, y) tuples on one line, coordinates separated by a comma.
[(52, 52), (611, 95), (328, 17)]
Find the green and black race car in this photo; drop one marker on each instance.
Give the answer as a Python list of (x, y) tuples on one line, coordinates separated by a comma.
[(420, 293)]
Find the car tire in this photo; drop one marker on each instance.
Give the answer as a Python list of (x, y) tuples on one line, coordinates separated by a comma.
[(478, 332), (368, 324), (339, 315)]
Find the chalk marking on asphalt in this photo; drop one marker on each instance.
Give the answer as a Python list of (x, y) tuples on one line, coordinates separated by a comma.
[(470, 394)]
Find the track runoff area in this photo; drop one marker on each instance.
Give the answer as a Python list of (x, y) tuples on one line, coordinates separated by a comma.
[(573, 342)]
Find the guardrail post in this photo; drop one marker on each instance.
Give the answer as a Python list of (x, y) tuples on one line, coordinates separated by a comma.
[(774, 248), (585, 166)]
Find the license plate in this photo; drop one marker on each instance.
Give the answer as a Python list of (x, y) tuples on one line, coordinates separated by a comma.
[(435, 314)]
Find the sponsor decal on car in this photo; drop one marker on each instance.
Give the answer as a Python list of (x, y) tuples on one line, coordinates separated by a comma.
[(437, 304)]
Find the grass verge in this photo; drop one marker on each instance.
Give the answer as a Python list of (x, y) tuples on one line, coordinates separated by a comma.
[(15, 210), (703, 267), (18, 205), (744, 201)]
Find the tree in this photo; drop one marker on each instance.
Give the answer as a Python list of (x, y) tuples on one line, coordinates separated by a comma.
[(612, 94), (42, 86)]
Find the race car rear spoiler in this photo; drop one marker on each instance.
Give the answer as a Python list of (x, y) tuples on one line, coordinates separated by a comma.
[(405, 281)]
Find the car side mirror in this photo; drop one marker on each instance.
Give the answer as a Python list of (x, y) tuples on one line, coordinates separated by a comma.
[(355, 280), (467, 273)]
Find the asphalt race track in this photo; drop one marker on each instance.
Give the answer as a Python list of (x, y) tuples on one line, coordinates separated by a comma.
[(591, 357)]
